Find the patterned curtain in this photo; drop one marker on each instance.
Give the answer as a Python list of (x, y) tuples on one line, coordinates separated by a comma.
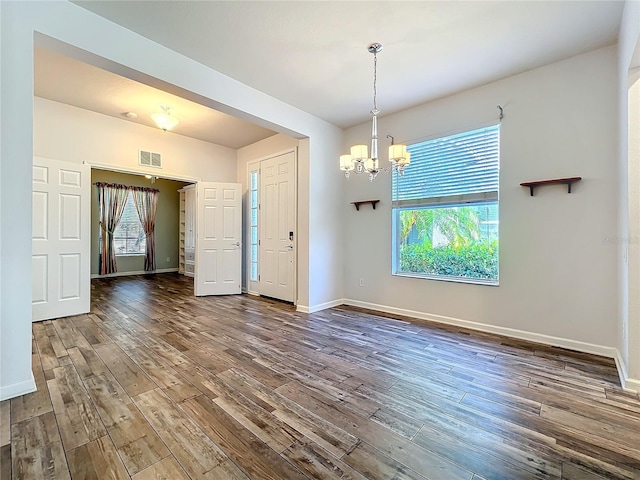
[(112, 198), (146, 204)]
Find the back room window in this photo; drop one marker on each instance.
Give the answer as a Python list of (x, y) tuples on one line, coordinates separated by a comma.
[(129, 237)]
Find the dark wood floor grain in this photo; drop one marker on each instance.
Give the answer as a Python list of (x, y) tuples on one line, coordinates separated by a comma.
[(155, 383)]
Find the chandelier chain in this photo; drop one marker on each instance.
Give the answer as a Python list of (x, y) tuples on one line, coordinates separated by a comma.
[(375, 79)]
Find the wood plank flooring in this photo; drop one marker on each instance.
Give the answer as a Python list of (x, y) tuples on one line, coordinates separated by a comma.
[(155, 383)]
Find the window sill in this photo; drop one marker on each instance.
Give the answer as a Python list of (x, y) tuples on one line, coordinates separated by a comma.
[(130, 254), (444, 278)]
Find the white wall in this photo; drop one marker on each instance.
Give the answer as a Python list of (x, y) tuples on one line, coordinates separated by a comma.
[(16, 51), (628, 196), (558, 269), (95, 40), (72, 134), (326, 205), (260, 151)]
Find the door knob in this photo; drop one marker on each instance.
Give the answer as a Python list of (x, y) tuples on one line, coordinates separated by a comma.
[(237, 244)]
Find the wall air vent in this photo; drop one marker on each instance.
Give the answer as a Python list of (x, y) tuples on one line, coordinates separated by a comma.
[(149, 159)]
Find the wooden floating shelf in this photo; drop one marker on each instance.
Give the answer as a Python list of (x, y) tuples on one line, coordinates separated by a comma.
[(372, 202), (565, 181)]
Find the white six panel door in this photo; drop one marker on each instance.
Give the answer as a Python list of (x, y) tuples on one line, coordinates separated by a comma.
[(61, 245), (219, 236), (277, 227)]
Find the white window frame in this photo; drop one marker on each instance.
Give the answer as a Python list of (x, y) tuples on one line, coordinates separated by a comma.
[(254, 207), (252, 286), (465, 199)]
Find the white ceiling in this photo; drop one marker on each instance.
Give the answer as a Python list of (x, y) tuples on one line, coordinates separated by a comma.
[(70, 81), (313, 54)]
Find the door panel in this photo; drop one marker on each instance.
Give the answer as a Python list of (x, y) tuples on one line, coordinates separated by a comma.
[(219, 235), (277, 224), (40, 216), (70, 212), (70, 276), (210, 266), (61, 239), (39, 289)]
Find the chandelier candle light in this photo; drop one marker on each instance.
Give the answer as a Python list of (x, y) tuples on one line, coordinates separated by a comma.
[(359, 160)]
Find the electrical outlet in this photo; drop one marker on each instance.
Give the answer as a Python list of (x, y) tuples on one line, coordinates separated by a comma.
[(168, 259), (362, 282)]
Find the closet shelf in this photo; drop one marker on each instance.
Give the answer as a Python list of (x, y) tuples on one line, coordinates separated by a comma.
[(566, 181)]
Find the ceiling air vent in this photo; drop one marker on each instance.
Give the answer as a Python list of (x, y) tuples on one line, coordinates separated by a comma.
[(149, 159)]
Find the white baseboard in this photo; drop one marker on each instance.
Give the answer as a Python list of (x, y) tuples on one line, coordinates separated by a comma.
[(628, 383), (17, 389), (632, 384), (621, 366), (320, 306), (135, 272), (483, 327)]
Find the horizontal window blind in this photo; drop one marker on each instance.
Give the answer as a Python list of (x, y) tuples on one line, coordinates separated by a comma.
[(458, 168)]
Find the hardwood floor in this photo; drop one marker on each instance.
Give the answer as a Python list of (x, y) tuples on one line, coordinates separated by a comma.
[(155, 383)]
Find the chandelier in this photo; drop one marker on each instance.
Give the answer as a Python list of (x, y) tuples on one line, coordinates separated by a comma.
[(359, 160)]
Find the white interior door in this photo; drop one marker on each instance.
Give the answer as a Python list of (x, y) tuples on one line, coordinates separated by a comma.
[(61, 245), (277, 227), (218, 239)]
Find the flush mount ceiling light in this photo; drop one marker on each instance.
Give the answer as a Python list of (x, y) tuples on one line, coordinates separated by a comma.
[(165, 120), (359, 160)]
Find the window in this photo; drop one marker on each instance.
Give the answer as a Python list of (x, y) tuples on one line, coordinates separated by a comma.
[(254, 226), (445, 208), (129, 237)]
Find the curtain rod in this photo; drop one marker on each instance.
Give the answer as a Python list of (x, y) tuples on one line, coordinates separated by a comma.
[(127, 187)]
